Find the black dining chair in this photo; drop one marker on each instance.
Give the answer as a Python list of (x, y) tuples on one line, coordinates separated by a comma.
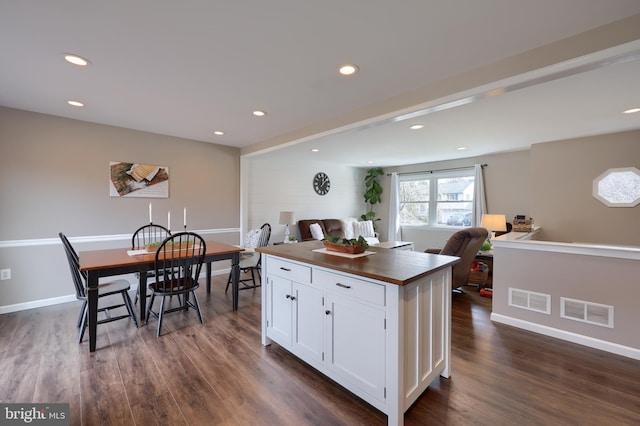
[(178, 261), (148, 234), (250, 261), (121, 287)]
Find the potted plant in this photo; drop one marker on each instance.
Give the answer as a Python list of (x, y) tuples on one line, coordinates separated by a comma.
[(372, 192), (343, 245)]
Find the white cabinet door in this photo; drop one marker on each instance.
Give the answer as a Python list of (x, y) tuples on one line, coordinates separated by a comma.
[(279, 302), (356, 344), (308, 323)]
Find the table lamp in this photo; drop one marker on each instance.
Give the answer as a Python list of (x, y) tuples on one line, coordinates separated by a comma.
[(287, 218), (493, 223)]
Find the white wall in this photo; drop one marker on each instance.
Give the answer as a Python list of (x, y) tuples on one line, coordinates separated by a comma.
[(272, 184)]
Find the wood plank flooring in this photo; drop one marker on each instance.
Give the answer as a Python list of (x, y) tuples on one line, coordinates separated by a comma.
[(218, 373)]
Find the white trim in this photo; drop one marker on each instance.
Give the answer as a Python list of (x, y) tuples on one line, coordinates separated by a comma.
[(600, 250), (590, 342), (96, 238), (37, 304)]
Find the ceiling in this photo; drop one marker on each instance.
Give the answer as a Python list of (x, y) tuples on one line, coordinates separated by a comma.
[(190, 68)]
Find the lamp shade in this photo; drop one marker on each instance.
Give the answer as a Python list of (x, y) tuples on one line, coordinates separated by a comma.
[(494, 222), (287, 218)]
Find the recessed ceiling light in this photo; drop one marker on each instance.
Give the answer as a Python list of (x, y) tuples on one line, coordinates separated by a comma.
[(461, 148), (259, 113), (416, 126), (369, 162), (315, 150), (632, 110), (218, 133), (348, 69), (75, 103), (76, 60)]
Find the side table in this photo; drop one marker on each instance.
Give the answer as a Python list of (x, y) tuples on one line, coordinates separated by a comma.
[(399, 245), (486, 257)]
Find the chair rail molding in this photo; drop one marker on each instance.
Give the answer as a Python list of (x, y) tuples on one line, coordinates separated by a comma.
[(97, 238)]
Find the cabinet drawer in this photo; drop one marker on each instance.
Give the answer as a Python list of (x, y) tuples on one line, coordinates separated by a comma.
[(289, 270), (359, 289)]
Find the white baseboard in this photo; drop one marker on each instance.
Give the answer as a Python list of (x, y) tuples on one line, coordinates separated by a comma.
[(37, 304), (72, 297), (580, 339)]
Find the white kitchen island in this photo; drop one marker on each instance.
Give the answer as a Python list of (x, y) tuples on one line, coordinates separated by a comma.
[(379, 324)]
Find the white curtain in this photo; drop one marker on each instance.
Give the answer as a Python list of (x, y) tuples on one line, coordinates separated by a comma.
[(393, 233), (479, 198)]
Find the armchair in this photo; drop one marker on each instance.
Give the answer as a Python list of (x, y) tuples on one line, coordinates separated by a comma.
[(464, 244)]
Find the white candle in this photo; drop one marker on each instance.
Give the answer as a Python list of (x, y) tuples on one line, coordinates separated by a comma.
[(169, 221), (185, 218), (150, 218)]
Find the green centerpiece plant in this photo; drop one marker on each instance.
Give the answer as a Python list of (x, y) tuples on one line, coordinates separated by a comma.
[(344, 245)]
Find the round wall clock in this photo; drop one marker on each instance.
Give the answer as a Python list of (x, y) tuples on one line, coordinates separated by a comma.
[(321, 183)]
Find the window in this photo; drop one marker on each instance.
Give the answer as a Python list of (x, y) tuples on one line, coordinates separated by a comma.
[(618, 187), (437, 199)]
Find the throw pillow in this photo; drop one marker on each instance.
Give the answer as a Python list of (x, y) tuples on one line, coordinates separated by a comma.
[(347, 225), (364, 228), (316, 231), (252, 238)]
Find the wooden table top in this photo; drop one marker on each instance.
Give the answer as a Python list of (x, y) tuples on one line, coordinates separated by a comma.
[(393, 266), (118, 257)]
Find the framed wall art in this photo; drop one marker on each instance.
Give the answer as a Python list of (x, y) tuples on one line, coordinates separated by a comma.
[(138, 180)]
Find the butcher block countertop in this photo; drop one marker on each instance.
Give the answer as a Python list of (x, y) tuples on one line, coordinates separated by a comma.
[(398, 267)]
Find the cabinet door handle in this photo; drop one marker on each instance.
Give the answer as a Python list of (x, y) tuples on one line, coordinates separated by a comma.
[(285, 269), (327, 312), (293, 298), (288, 296), (343, 285)]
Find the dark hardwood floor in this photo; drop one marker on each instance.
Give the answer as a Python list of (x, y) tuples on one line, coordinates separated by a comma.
[(219, 373)]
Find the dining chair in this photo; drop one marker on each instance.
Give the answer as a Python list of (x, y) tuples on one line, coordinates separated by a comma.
[(250, 261), (147, 234), (120, 286), (177, 265)]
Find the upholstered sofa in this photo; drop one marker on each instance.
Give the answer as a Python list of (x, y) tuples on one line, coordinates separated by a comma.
[(333, 227), (342, 228)]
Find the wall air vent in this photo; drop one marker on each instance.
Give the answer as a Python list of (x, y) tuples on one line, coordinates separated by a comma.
[(591, 313), (532, 301)]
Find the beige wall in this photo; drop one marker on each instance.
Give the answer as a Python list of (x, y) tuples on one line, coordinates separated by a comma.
[(54, 177), (595, 275), (562, 175), (507, 185)]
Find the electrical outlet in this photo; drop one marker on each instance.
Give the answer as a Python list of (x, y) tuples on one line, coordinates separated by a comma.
[(5, 274)]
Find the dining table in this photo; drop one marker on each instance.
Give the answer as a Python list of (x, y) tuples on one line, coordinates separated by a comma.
[(119, 261)]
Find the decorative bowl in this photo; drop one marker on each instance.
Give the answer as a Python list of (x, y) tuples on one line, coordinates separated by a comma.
[(343, 248)]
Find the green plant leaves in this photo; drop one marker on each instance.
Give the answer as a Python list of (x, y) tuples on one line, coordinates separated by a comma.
[(352, 242)]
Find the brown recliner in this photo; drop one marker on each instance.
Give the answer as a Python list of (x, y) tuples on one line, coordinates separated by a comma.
[(464, 244)]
